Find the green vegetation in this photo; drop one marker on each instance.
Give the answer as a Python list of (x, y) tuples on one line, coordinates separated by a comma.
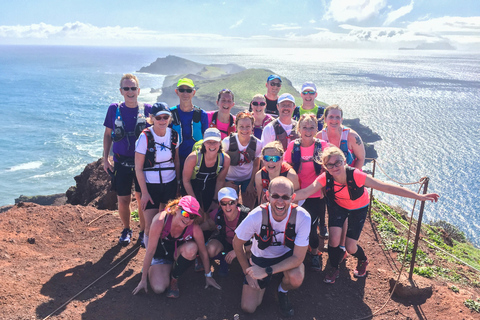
[(455, 289), (430, 262), (473, 304), (134, 215)]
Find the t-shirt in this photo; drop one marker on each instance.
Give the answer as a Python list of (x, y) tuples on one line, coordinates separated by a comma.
[(253, 222), (222, 127), (268, 134), (341, 191), (187, 138), (314, 111), (126, 146), (307, 173), (271, 107), (163, 153), (242, 171)]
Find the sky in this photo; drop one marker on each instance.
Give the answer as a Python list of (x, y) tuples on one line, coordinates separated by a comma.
[(377, 24)]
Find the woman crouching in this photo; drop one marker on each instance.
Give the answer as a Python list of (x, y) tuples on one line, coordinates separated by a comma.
[(347, 197), (171, 247)]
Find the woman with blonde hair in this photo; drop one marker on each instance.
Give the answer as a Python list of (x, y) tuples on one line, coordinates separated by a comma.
[(175, 239), (257, 108), (347, 197), (274, 166), (305, 154)]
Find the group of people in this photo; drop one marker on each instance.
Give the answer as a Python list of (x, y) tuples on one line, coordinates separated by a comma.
[(253, 187)]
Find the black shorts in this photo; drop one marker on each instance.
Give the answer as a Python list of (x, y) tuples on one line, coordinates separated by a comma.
[(356, 219), (122, 180), (161, 193), (227, 247), (267, 262)]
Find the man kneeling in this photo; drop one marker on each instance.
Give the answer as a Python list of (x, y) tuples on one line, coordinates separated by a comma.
[(280, 232)]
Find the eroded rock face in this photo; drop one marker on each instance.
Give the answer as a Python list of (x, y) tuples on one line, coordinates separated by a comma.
[(93, 188)]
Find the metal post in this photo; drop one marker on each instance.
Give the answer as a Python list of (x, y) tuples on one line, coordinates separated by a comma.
[(371, 193), (419, 227)]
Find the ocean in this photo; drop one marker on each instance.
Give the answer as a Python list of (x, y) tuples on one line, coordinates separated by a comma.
[(424, 104)]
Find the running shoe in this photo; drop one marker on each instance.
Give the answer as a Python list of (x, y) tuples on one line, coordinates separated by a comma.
[(173, 291), (316, 266), (125, 237), (332, 275), (141, 238), (309, 251), (285, 307), (324, 231), (361, 270), (199, 265)]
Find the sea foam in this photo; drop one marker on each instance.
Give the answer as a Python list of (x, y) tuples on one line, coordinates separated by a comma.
[(26, 166)]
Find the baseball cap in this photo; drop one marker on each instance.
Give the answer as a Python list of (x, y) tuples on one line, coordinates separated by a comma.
[(212, 134), (190, 204), (159, 108), (228, 193), (185, 82), (274, 76), (309, 86), (286, 97)]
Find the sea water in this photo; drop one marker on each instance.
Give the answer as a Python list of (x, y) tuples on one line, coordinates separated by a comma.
[(424, 104)]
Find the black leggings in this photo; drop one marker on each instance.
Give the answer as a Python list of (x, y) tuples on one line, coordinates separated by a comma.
[(316, 208)]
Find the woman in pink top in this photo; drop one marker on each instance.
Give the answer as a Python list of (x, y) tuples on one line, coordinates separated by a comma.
[(347, 197), (304, 154), (222, 119)]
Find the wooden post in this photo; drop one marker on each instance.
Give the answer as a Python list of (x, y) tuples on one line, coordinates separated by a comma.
[(419, 227), (371, 192)]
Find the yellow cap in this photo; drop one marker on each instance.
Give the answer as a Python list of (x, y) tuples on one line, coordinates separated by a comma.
[(185, 82)]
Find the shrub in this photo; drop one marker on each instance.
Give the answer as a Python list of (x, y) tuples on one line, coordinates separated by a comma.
[(451, 230)]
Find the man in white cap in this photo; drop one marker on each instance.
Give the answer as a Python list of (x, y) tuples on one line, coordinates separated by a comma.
[(224, 221), (308, 94), (282, 128)]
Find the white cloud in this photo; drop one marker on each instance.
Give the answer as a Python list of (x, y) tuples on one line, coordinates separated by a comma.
[(458, 25), (281, 27), (360, 10), (236, 24), (396, 14), (312, 21)]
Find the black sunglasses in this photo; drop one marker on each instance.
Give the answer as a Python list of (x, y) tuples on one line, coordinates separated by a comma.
[(255, 103), (129, 88), (185, 90), (231, 202), (276, 84), (164, 117), (277, 196)]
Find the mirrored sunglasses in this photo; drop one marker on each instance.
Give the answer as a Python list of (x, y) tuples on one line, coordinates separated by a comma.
[(271, 158)]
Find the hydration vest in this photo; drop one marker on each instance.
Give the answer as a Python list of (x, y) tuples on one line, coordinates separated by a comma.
[(196, 174), (354, 191), (187, 234), (281, 134), (264, 239), (350, 157), (196, 123), (297, 155), (266, 178), (118, 132), (220, 220), (234, 153), (231, 126), (150, 155), (320, 111)]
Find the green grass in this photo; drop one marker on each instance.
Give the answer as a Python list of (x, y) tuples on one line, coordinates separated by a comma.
[(455, 289), (134, 215), (473, 304)]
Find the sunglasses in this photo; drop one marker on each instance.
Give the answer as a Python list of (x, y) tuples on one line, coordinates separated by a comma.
[(277, 196), (185, 90), (188, 215), (271, 158), (255, 103), (308, 92), (276, 84), (163, 117), (231, 202), (129, 88), (337, 163)]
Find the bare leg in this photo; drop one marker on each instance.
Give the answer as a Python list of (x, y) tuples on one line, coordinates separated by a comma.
[(159, 277), (251, 298), (124, 209)]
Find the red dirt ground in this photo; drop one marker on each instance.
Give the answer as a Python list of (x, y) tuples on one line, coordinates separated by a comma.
[(69, 254)]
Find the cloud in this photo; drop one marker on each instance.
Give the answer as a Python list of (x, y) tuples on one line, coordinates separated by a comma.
[(457, 25), (236, 24), (396, 14), (360, 10), (312, 21), (281, 27)]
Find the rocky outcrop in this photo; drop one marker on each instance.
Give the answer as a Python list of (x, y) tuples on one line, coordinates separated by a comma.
[(93, 188)]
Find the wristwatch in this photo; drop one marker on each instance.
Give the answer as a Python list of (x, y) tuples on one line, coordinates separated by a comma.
[(269, 271)]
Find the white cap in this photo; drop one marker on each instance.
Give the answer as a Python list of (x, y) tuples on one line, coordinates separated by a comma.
[(212, 134), (309, 86), (228, 193), (286, 97)]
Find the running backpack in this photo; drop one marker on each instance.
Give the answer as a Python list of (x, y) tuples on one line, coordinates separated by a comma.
[(264, 239), (197, 134), (234, 153), (231, 126), (297, 155), (281, 134), (354, 191), (118, 132)]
